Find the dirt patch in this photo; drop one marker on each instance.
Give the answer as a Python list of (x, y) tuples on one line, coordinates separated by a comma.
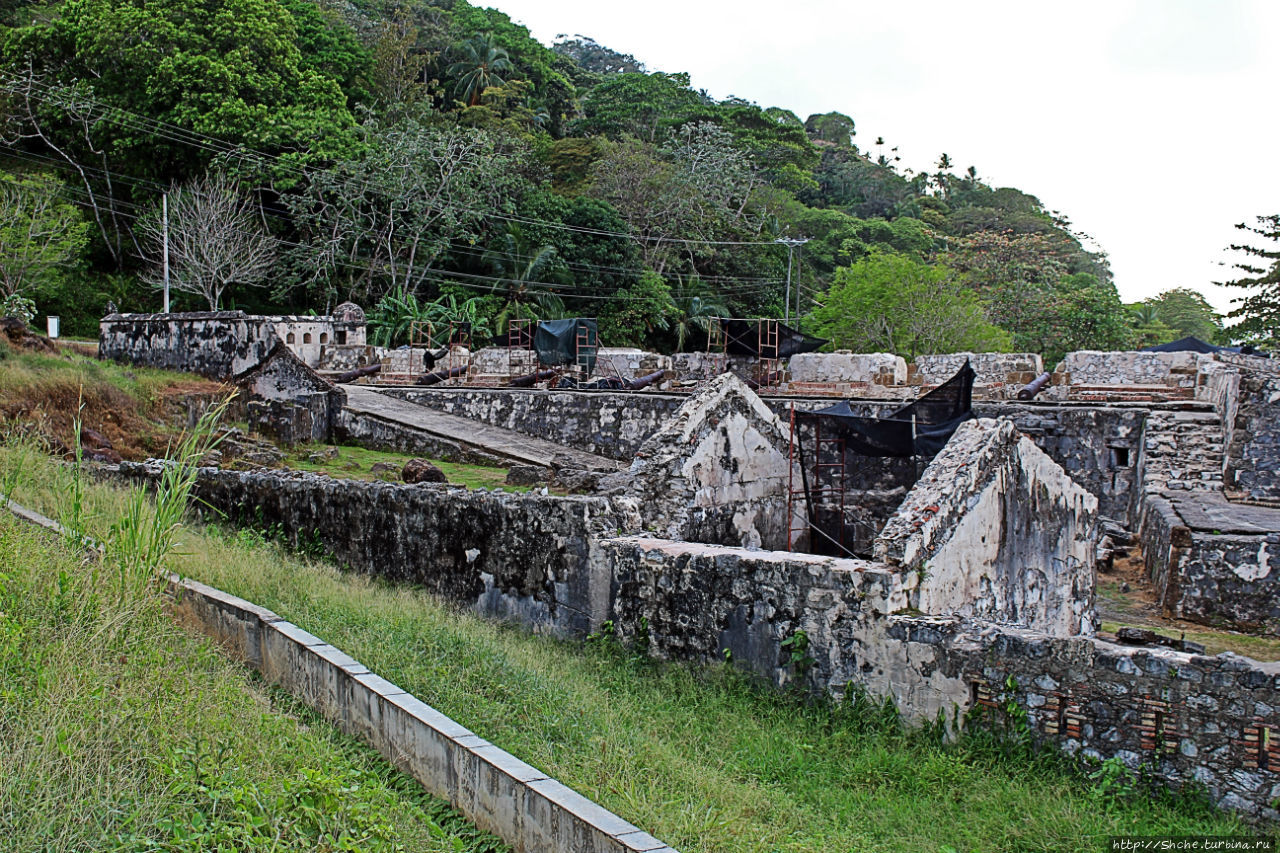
[(1127, 598), (41, 399)]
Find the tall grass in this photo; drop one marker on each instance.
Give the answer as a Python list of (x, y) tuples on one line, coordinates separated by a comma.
[(144, 536), (120, 732)]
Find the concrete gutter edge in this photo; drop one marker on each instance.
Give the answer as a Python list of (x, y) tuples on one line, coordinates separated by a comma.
[(492, 788), (496, 791)]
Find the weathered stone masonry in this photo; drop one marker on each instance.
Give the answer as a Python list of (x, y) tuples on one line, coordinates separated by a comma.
[(1096, 444), (526, 557)]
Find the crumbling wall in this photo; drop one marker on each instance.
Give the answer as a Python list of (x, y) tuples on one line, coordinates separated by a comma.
[(501, 361), (1253, 450), (715, 472), (1097, 445), (705, 365), (612, 425), (1214, 562), (843, 366), (1171, 369), (215, 344), (998, 531), (530, 558), (840, 624), (997, 375), (1179, 451), (629, 362)]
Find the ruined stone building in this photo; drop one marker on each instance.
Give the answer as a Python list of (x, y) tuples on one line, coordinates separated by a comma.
[(971, 583)]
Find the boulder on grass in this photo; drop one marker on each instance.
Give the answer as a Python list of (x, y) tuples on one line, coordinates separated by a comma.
[(422, 471)]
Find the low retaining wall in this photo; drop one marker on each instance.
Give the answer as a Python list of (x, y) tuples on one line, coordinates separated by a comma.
[(526, 557), (498, 792)]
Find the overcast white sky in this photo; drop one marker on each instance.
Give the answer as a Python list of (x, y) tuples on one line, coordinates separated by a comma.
[(1151, 124)]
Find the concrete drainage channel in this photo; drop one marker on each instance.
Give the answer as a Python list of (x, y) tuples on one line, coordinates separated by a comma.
[(495, 790)]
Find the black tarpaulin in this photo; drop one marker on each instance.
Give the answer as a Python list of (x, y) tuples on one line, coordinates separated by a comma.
[(1187, 344), (743, 337), (567, 342), (917, 429), (1194, 344)]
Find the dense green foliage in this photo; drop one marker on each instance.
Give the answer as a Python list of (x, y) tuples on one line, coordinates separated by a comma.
[(391, 150), (1259, 311)]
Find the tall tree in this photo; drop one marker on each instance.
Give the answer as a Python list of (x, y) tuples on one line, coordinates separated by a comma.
[(1187, 313), (835, 128), (1258, 312), (890, 303), (380, 221), (40, 233), (479, 65), (215, 239)]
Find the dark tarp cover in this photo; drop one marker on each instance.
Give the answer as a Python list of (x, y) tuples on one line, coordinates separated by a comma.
[(1194, 344), (1187, 344), (556, 342), (742, 337), (918, 429)]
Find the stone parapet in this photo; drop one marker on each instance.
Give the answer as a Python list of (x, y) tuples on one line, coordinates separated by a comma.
[(843, 366)]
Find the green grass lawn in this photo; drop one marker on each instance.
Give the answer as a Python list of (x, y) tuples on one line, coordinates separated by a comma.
[(356, 463), (695, 755), (121, 732)]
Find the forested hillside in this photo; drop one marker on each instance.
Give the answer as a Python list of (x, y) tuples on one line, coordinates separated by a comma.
[(431, 159)]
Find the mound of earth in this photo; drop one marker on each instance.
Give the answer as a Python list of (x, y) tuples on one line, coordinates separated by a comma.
[(19, 337)]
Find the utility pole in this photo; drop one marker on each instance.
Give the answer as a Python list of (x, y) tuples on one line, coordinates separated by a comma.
[(790, 243), (164, 229)]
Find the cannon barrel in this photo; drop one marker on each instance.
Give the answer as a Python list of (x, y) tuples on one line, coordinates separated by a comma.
[(439, 376), (353, 375), (1034, 387), (646, 380), (531, 379)]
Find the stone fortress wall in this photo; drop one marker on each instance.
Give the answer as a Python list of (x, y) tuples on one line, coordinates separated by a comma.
[(980, 591)]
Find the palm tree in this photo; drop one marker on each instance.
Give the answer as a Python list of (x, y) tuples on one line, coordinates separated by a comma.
[(479, 66), (523, 270), (695, 308)]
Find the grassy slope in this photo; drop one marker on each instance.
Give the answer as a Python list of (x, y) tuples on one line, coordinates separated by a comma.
[(357, 463), (118, 731), (40, 394), (694, 755)]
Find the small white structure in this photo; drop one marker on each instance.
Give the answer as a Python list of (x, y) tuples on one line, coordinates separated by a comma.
[(312, 338)]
